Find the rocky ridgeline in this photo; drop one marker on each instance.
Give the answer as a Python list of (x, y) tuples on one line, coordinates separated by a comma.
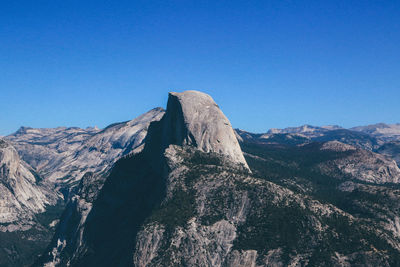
[(384, 132), (174, 188), (64, 155), (185, 123), (189, 199), (53, 163)]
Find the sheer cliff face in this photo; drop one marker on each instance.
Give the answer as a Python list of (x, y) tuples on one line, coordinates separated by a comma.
[(141, 182), (193, 118), (188, 199), (20, 195)]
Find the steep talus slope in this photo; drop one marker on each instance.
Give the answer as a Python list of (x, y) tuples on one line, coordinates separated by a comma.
[(188, 200)]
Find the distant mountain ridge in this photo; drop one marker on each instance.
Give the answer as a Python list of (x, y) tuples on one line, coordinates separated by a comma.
[(50, 162), (181, 187), (305, 129), (63, 155), (187, 199), (370, 137), (382, 131), (385, 132)]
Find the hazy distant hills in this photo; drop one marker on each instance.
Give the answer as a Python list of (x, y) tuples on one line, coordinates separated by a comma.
[(368, 137), (180, 187), (382, 131)]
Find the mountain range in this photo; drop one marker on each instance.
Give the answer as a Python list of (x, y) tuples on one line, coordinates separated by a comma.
[(181, 187)]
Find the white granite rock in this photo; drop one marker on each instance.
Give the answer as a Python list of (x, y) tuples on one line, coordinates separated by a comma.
[(20, 194), (199, 122)]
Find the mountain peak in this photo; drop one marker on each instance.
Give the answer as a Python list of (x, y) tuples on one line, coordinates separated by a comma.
[(195, 119)]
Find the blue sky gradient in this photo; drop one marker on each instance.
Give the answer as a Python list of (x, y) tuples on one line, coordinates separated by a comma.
[(268, 64)]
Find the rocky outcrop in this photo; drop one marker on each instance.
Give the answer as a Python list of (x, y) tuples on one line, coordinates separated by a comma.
[(25, 225), (187, 200), (194, 119), (360, 164), (337, 146), (71, 160), (140, 181), (69, 233), (20, 194), (98, 155), (218, 216)]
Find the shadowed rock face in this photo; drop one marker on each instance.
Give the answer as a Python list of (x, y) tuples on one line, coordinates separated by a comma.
[(195, 119), (46, 162), (391, 149), (138, 184), (188, 199)]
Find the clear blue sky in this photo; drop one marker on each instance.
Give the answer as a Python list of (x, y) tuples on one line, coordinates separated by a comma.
[(266, 63)]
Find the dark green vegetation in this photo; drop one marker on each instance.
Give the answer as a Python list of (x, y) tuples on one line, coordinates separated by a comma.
[(285, 225), (294, 168), (285, 206), (391, 149), (17, 248), (291, 227), (21, 248), (176, 211)]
